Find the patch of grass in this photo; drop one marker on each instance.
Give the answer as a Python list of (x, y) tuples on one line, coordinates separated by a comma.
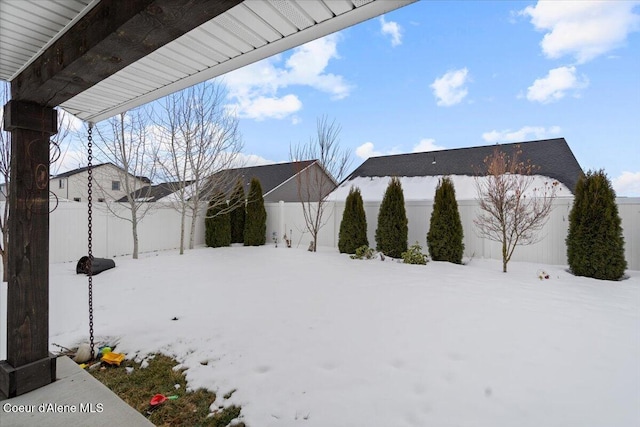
[(141, 384)]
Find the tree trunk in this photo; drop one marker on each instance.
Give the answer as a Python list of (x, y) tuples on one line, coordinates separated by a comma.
[(194, 218), (183, 216), (504, 256), (134, 230)]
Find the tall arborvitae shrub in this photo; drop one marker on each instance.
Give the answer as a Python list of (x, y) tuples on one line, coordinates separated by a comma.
[(444, 238), (238, 214), (217, 223), (353, 227), (392, 231), (255, 227), (595, 246)]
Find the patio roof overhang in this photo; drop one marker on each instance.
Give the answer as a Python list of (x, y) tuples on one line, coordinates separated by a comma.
[(64, 53)]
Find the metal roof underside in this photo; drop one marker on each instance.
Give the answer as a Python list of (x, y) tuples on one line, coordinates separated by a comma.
[(248, 32)]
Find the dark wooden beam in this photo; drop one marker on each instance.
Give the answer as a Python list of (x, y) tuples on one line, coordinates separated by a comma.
[(29, 364), (113, 35)]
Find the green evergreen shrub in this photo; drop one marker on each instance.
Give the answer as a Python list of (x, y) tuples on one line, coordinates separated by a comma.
[(392, 231), (595, 246), (414, 255), (445, 235), (217, 223), (255, 227), (363, 252), (238, 214), (353, 227)]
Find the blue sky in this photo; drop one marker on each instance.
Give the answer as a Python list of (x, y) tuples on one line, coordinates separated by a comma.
[(441, 74)]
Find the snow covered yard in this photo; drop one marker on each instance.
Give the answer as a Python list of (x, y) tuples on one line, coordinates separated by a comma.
[(322, 340)]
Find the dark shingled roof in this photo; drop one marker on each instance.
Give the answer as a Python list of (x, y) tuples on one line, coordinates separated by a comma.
[(155, 192), (85, 168), (553, 156), (270, 176)]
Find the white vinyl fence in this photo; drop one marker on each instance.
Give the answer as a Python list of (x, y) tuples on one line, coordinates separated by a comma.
[(287, 217), (160, 230)]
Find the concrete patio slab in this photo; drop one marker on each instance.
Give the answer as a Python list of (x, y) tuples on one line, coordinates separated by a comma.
[(75, 398)]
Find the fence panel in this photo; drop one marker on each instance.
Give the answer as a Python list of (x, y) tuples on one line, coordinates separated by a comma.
[(160, 230), (112, 236), (551, 249)]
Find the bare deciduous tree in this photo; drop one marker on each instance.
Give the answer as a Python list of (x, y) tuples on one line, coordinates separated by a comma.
[(59, 145), (200, 139), (124, 141), (512, 211), (315, 181)]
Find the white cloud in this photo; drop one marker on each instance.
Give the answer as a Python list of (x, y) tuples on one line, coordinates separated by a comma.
[(556, 84), (583, 29), (450, 88), (255, 90), (247, 160), (367, 150), (68, 159), (427, 144), (69, 122), (523, 134), (391, 29), (627, 184), (263, 107)]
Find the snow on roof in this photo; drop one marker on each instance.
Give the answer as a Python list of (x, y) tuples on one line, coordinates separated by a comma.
[(424, 187)]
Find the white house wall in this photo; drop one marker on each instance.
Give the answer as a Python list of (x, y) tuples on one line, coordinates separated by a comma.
[(75, 186)]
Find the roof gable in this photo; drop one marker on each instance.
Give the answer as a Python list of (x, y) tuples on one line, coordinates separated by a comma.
[(270, 176), (153, 193), (553, 156), (94, 167)]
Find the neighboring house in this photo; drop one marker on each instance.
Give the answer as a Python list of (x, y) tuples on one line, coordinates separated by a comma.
[(107, 183), (280, 181), (420, 172), (153, 193)]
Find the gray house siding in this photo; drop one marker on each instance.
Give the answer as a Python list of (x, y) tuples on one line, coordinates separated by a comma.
[(288, 190)]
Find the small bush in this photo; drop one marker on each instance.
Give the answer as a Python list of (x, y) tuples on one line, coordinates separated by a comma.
[(238, 214), (414, 255), (445, 235), (217, 223), (353, 227), (255, 226), (392, 231), (363, 252), (595, 245)]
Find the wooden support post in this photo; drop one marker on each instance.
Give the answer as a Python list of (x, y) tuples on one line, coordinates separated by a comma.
[(29, 364)]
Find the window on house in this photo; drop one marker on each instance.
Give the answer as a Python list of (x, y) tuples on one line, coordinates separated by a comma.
[(61, 184), (76, 199), (115, 185)]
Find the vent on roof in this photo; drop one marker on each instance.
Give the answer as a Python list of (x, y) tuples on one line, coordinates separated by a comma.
[(358, 3), (293, 14)]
